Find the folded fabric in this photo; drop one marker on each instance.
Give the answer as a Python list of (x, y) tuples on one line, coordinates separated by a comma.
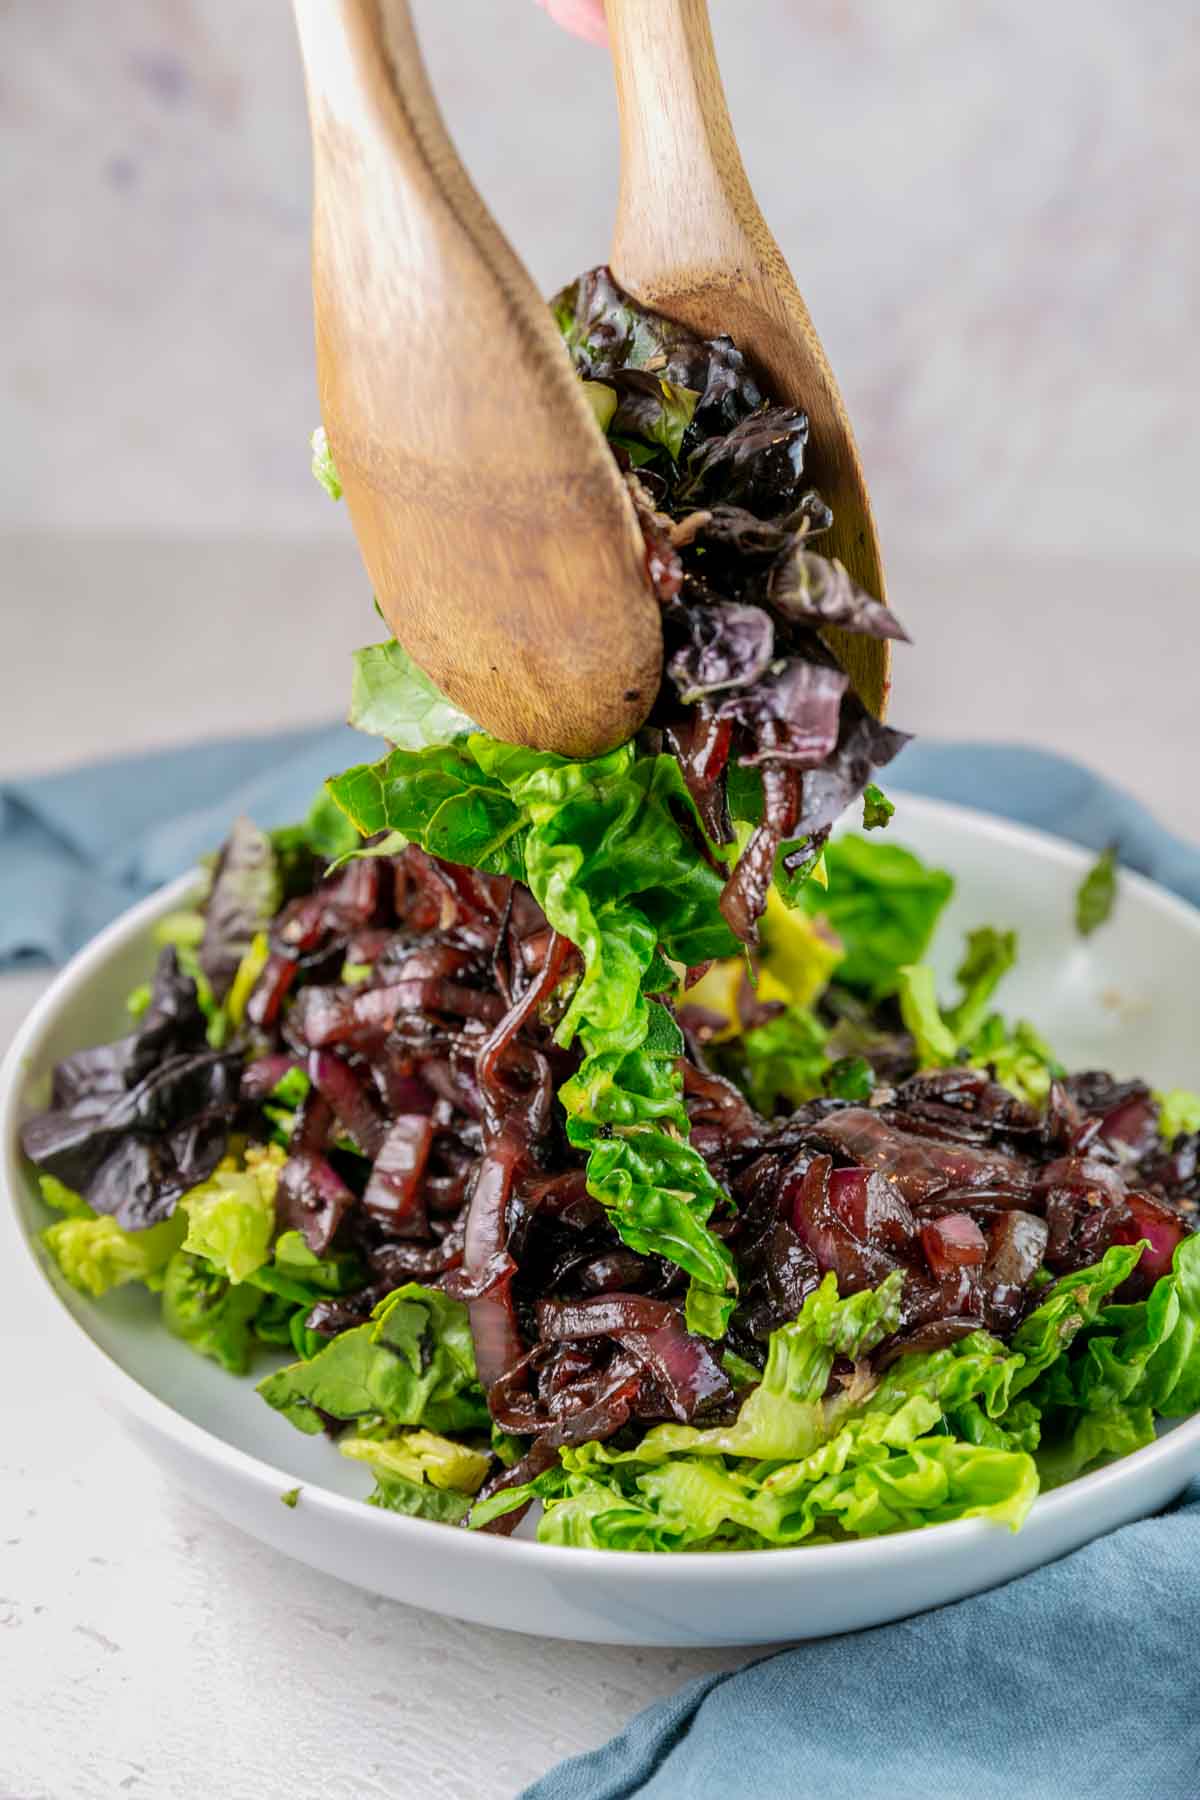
[(1078, 1682), (77, 848)]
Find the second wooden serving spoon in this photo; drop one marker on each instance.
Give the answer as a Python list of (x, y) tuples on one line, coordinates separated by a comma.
[(691, 242)]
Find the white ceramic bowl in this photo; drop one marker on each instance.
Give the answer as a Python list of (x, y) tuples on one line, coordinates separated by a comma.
[(1123, 1000)]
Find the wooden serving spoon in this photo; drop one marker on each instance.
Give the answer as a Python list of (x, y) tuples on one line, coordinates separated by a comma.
[(503, 547), (691, 242)]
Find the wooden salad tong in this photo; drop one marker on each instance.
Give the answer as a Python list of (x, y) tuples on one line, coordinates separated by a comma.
[(503, 548)]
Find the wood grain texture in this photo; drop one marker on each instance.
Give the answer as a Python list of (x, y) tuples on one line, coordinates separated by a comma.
[(691, 241), (490, 514)]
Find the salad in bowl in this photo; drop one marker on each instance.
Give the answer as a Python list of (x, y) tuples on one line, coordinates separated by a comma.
[(594, 1135)]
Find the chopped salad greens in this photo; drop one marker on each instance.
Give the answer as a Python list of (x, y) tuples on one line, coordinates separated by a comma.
[(595, 1133)]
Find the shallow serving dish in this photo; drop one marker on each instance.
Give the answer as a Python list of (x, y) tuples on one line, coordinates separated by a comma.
[(1119, 1001)]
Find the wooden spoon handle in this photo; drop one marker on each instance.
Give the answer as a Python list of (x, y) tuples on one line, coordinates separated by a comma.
[(384, 139), (690, 240), (686, 214)]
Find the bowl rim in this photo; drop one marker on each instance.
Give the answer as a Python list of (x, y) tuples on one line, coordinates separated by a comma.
[(126, 1395)]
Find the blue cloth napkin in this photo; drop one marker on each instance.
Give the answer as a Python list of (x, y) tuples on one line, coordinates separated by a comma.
[(78, 848), (1078, 1682)]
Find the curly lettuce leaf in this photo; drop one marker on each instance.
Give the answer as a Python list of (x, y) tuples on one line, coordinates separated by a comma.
[(392, 698), (293, 1281), (420, 1473), (883, 904), (1093, 1438), (1178, 1113), (1071, 1304), (787, 1414), (1143, 1353), (412, 1363), (95, 1254), (420, 1499), (209, 1313), (421, 1456), (231, 1216)]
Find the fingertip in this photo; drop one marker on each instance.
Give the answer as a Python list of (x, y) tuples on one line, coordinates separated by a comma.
[(584, 18)]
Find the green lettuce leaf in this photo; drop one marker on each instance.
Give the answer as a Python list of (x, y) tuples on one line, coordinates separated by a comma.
[(1178, 1113), (966, 1032), (1021, 1060), (412, 1363), (420, 1499), (62, 1199), (292, 1282), (440, 798), (209, 1313), (1143, 1353), (1021, 1428), (322, 464), (988, 957), (939, 1037), (849, 1078), (883, 903), (658, 416), (420, 1473), (394, 699), (1097, 893), (94, 1254), (878, 810), (1092, 1438), (784, 1060), (936, 1044), (231, 1216), (421, 1456), (1071, 1304)]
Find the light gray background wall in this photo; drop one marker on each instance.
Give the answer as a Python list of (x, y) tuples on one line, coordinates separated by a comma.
[(991, 209)]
